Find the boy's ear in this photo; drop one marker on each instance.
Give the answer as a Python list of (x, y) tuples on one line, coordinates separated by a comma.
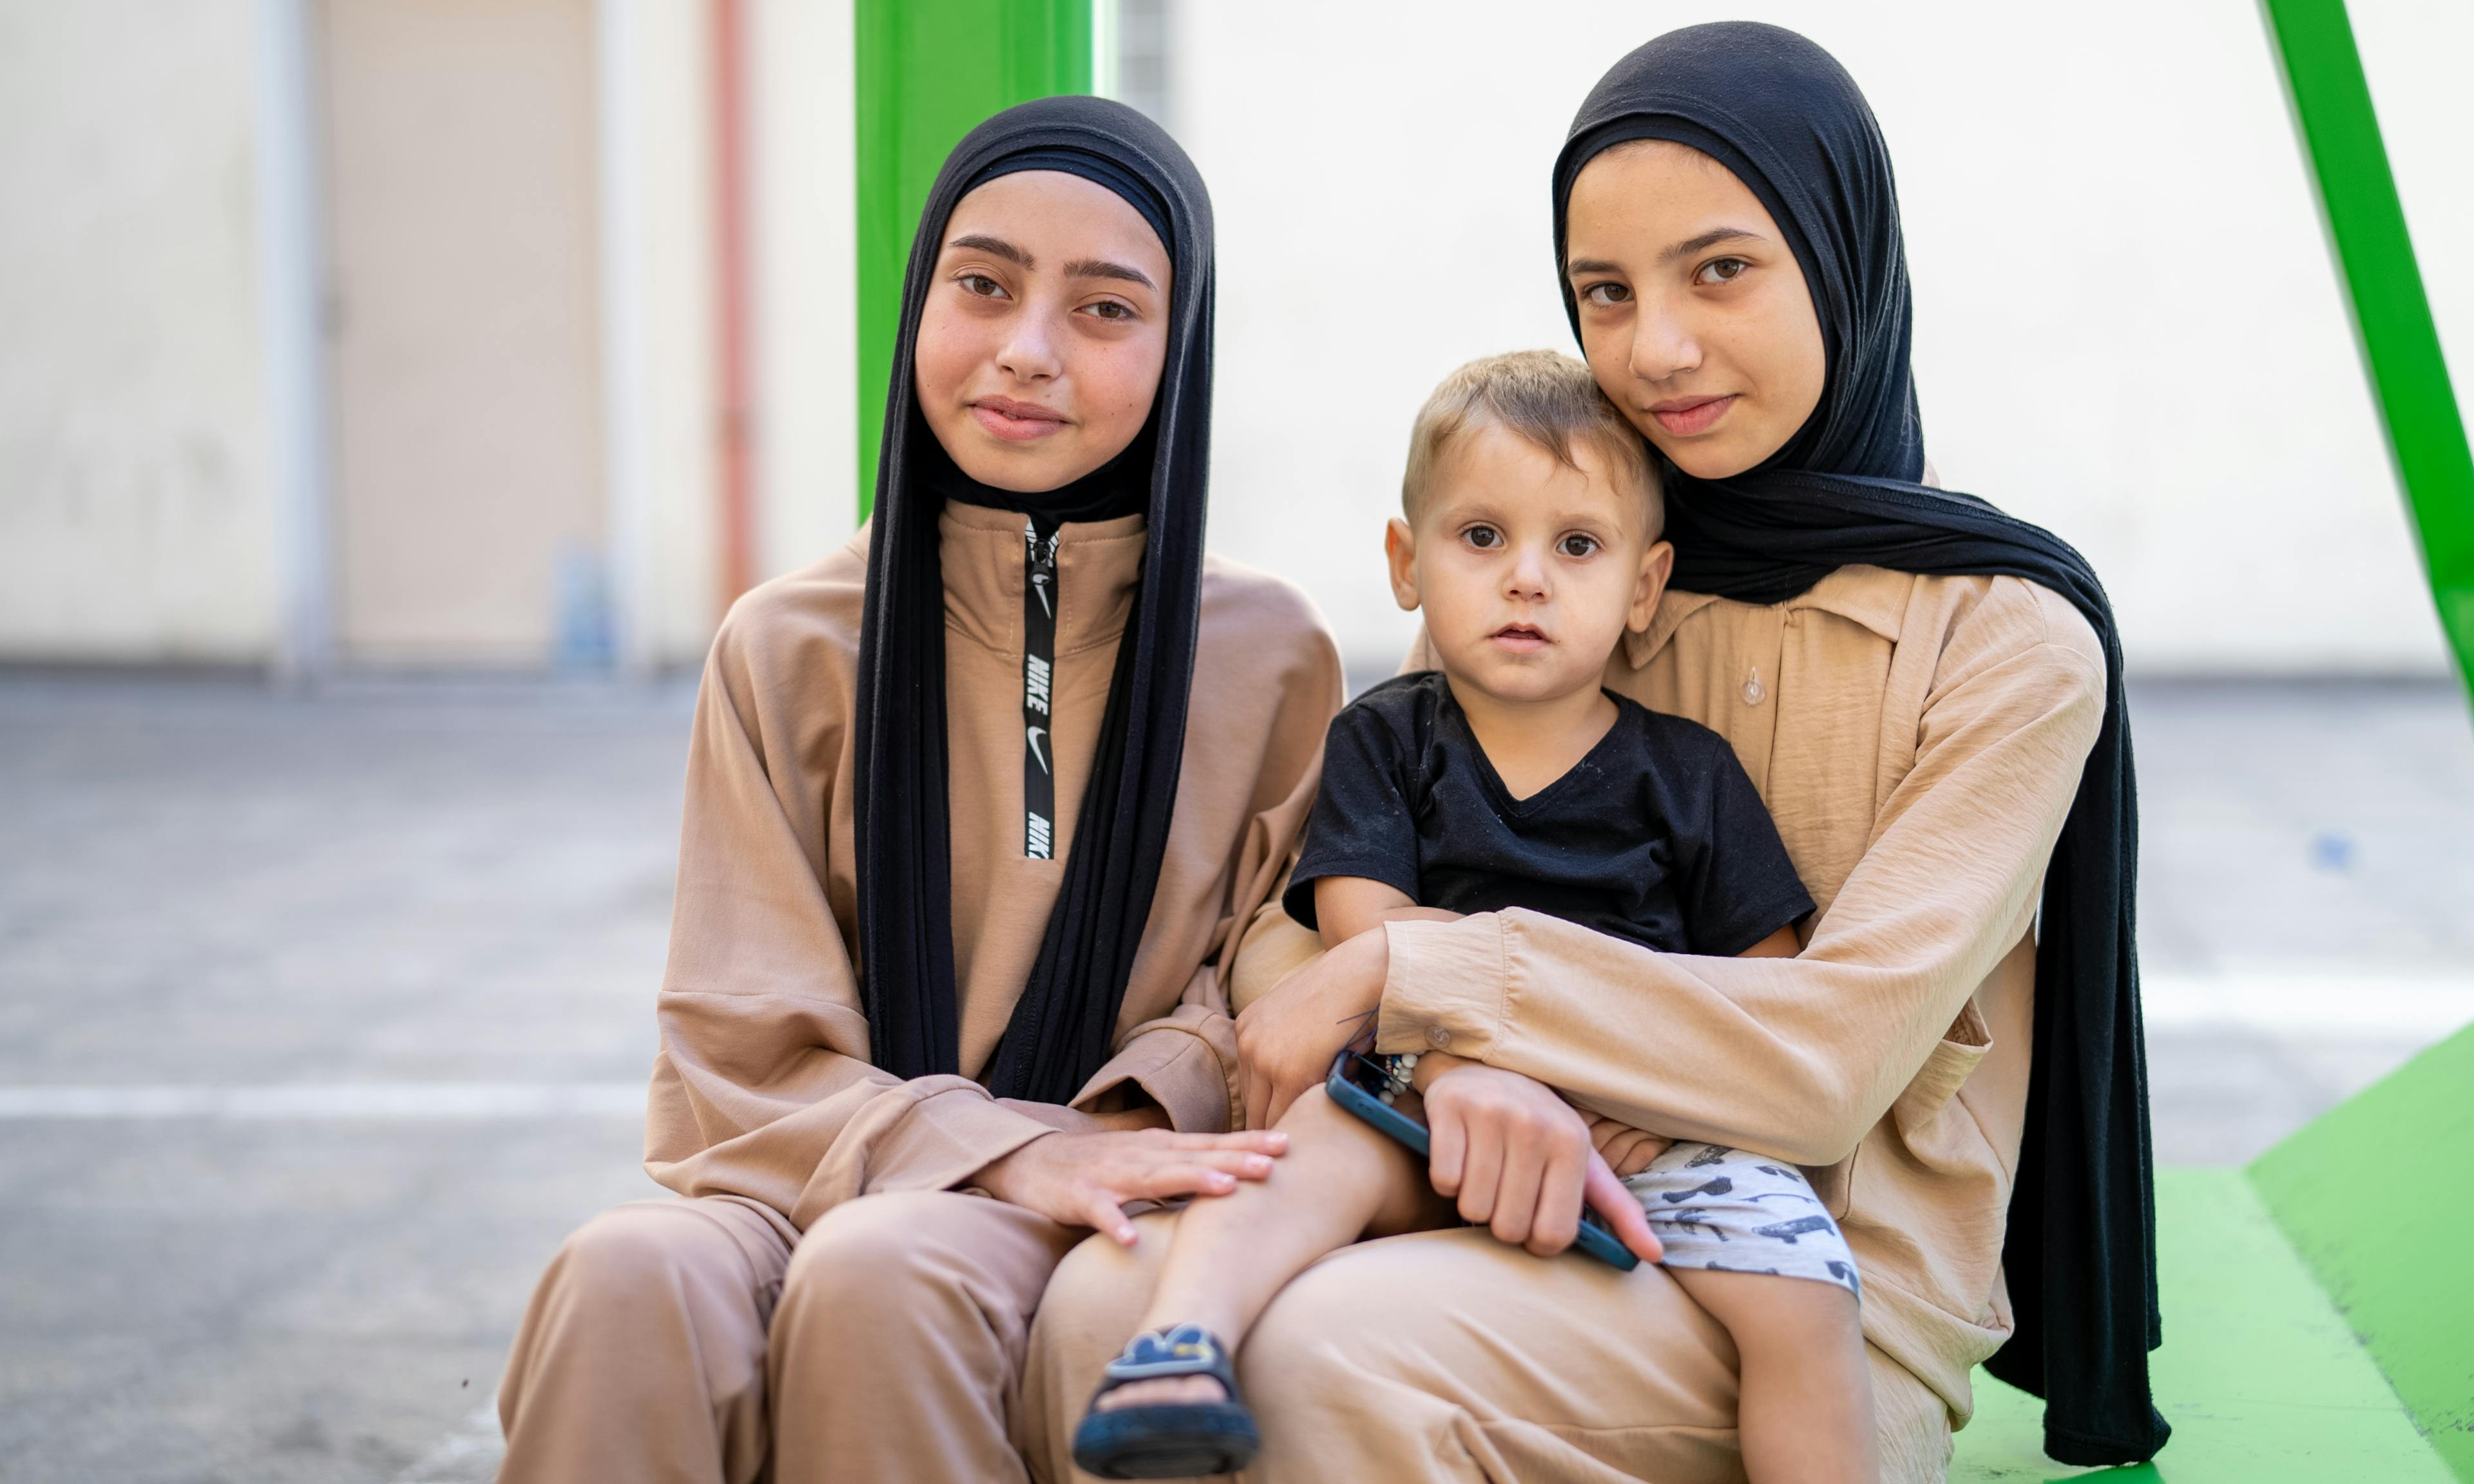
[(1400, 553), (1657, 565)]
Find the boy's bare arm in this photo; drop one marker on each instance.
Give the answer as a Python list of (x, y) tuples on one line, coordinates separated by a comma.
[(1778, 944), (1345, 906)]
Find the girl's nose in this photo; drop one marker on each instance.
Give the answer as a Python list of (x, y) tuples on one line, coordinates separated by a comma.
[(1662, 347), (1028, 352)]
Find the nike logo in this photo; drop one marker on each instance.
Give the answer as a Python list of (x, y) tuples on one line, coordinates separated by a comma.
[(1039, 584), (1031, 735)]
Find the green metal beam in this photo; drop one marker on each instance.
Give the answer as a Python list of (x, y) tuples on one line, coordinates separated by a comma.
[(2340, 133), (926, 72)]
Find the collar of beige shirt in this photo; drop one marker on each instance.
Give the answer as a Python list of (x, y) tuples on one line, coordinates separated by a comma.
[(1098, 565), (1855, 593)]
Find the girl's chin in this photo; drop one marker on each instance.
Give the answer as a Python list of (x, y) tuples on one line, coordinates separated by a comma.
[(1016, 468), (1708, 460)]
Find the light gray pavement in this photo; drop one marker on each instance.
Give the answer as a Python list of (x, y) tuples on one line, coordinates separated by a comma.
[(398, 942)]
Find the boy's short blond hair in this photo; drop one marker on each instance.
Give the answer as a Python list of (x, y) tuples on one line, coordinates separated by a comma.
[(1545, 398)]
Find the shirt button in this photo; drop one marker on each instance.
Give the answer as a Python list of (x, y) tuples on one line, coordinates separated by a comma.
[(1439, 1038)]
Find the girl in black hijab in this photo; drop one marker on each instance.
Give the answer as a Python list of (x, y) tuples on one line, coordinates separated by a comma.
[(1063, 1025), (1928, 694), (974, 806), (1847, 489)]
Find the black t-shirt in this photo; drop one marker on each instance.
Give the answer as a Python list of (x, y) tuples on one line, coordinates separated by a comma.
[(1657, 835)]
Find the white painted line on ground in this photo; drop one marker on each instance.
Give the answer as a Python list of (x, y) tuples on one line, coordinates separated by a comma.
[(343, 1101), (2329, 1002)]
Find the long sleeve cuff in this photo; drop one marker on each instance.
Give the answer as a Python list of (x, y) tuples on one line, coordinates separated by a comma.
[(1178, 1069), (943, 1140), (1448, 989)]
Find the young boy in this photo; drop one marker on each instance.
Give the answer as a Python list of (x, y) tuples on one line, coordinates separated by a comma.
[(1511, 779)]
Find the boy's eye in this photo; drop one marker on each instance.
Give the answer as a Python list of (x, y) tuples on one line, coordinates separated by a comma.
[(1577, 545), (1483, 537), (1723, 270), (982, 286), (1607, 294)]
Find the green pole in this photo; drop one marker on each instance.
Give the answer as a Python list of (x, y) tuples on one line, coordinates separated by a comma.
[(926, 72), (2341, 134)]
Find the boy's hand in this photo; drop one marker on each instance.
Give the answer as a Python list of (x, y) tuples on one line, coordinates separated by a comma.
[(1517, 1159), (1627, 1150)]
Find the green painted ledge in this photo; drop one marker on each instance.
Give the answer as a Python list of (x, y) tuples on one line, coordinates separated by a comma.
[(2318, 1307), (2259, 1375), (2377, 1196)]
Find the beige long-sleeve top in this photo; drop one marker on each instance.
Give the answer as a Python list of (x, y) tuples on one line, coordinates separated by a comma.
[(763, 1088), (1919, 741)]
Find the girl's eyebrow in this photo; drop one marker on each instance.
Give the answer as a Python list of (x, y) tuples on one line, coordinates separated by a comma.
[(1709, 239), (996, 247), (1685, 248), (1102, 268)]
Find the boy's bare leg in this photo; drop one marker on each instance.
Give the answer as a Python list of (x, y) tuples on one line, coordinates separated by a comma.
[(1232, 1254), (1804, 1414)]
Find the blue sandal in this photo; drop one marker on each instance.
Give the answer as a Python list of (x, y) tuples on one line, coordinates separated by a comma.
[(1183, 1441)]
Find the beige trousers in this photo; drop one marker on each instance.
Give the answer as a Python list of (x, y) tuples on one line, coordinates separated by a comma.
[(706, 1341), (1447, 1356)]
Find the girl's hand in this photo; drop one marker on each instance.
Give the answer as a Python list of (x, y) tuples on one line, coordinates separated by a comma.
[(1286, 1039), (1085, 1180), (1517, 1159)]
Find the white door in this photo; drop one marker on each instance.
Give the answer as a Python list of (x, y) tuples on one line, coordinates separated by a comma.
[(460, 186)]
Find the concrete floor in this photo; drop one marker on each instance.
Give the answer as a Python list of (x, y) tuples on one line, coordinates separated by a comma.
[(324, 1017)]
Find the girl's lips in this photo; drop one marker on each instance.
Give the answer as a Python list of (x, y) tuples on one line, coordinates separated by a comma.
[(1015, 422), (1689, 414)]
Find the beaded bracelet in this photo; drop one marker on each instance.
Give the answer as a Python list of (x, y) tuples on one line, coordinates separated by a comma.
[(1396, 1071)]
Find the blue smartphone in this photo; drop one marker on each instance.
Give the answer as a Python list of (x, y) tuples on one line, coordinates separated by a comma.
[(1354, 1083)]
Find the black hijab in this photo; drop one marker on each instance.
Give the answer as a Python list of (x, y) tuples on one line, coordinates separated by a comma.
[(1063, 1024), (1778, 111)]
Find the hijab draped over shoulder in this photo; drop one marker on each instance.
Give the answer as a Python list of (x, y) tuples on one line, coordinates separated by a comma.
[(1060, 1028), (1784, 117)]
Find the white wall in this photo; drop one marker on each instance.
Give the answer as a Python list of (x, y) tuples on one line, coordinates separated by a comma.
[(656, 109), (2127, 325), (806, 260), (135, 517), (659, 160)]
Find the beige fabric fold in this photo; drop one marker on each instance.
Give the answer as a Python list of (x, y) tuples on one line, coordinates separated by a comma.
[(1449, 1357), (706, 1342)]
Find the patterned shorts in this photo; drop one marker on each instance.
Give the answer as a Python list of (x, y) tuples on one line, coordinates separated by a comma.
[(1727, 1210)]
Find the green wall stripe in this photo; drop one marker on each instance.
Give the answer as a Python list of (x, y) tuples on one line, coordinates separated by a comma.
[(2331, 107), (926, 72)]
